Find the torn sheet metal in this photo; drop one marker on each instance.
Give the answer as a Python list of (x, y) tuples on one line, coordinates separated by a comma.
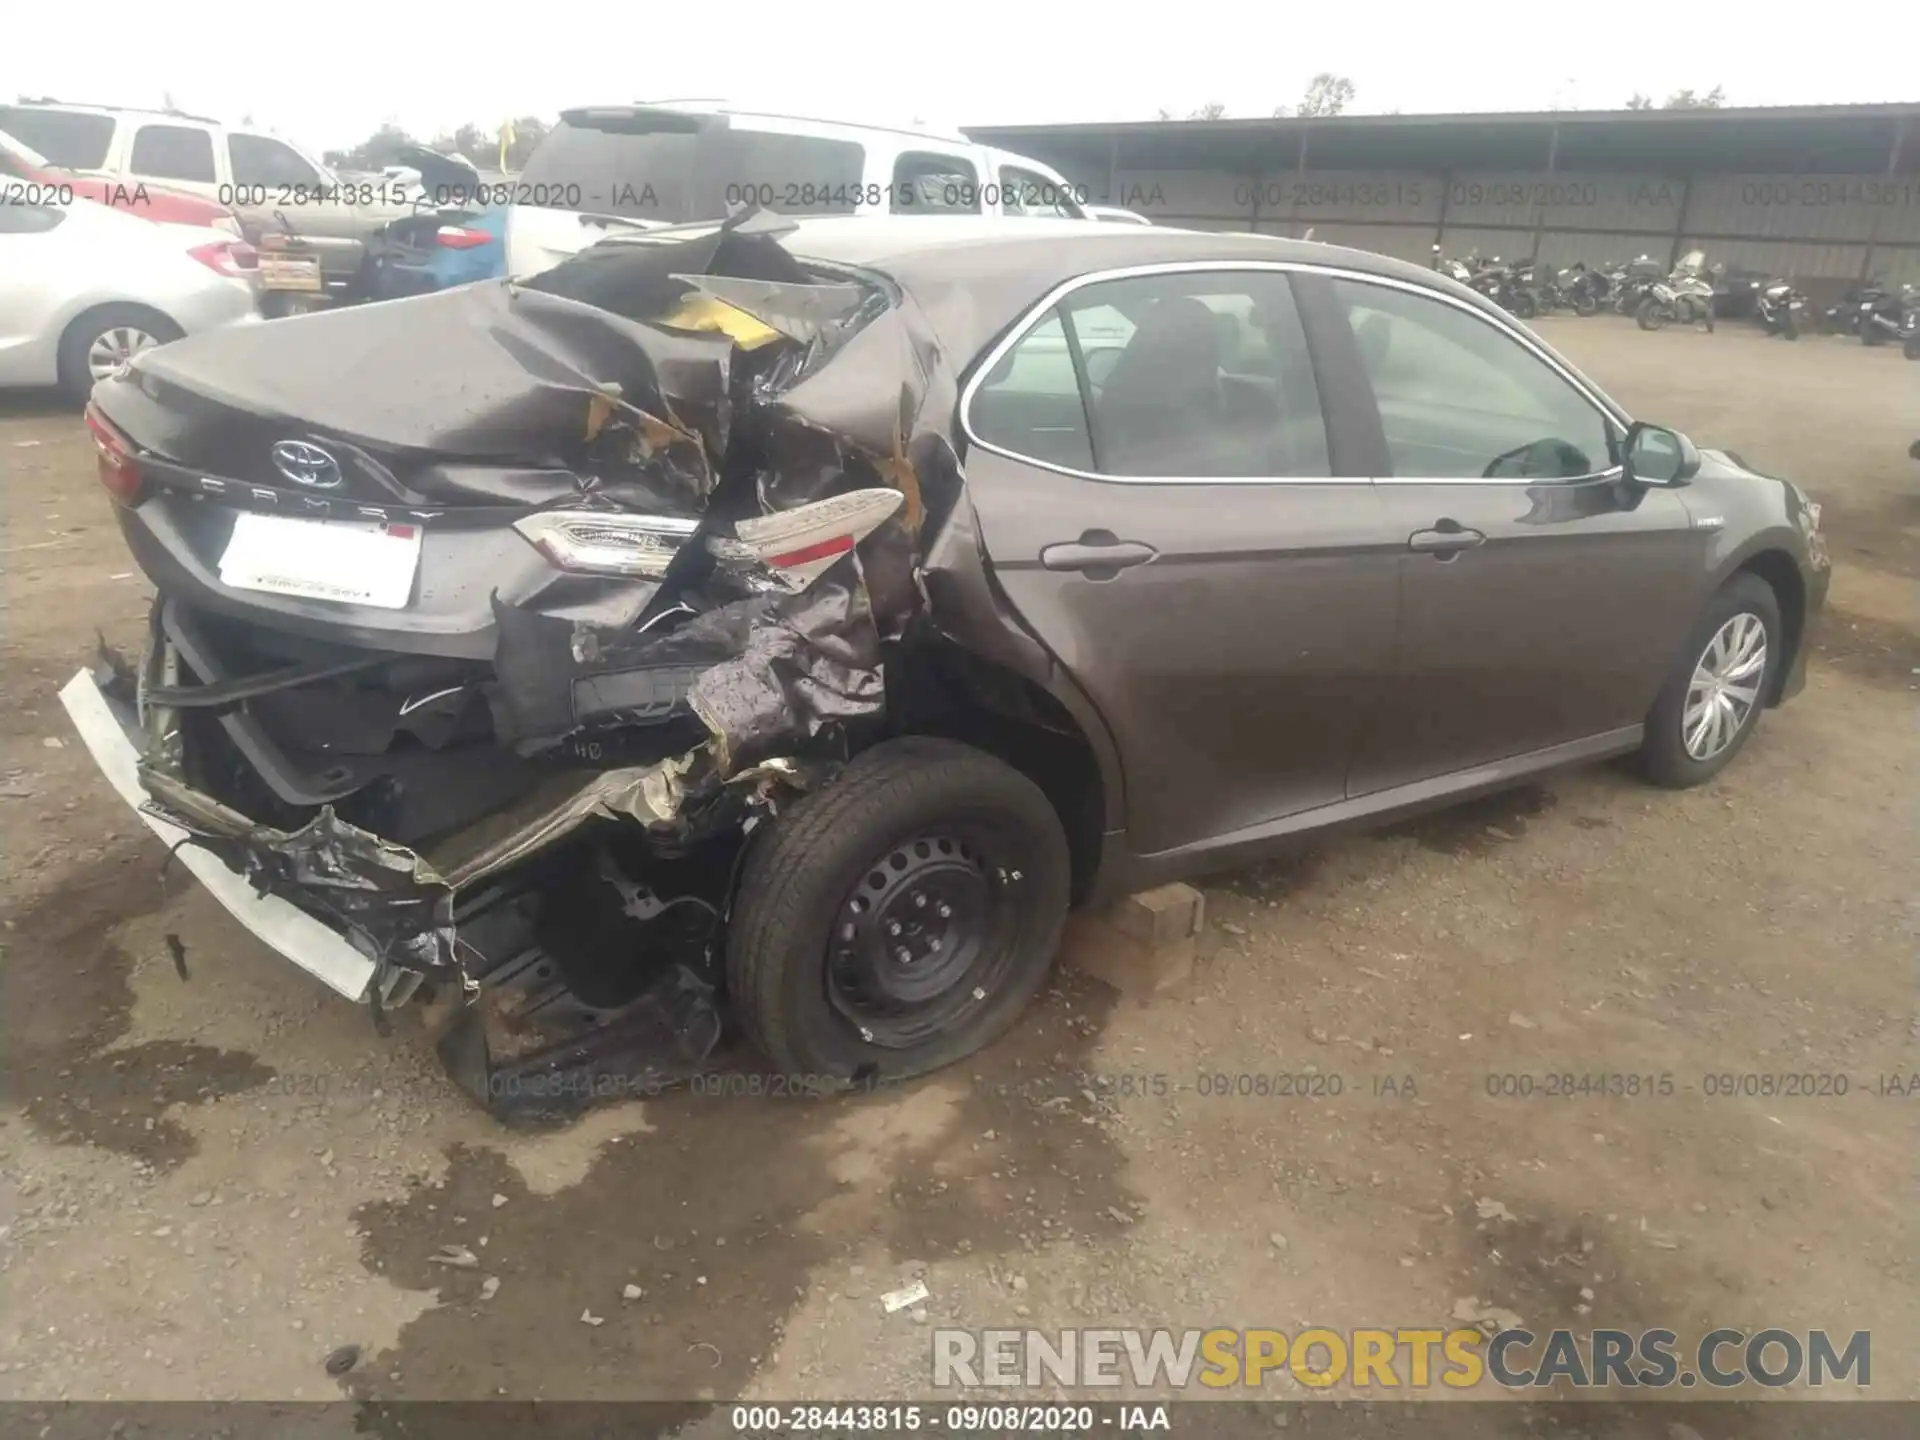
[(755, 672)]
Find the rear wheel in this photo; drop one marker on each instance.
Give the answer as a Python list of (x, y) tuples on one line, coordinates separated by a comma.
[(1524, 306), (1713, 697), (1653, 314), (101, 341), (1585, 304), (1789, 330), (1911, 346), (901, 917)]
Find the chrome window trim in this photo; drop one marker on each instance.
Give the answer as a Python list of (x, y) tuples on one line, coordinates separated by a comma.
[(1053, 297)]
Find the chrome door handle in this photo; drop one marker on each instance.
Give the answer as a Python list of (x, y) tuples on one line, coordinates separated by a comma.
[(1444, 540), (1110, 555)]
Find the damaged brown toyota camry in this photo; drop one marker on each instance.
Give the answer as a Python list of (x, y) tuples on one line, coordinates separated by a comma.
[(769, 630)]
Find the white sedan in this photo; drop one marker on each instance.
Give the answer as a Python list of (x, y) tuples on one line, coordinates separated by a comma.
[(84, 287)]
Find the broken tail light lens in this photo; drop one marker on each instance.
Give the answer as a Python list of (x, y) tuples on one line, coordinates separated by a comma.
[(119, 469), (594, 542)]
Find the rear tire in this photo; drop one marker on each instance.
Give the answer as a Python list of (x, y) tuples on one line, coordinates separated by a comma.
[(1910, 347), (831, 884), (1665, 758), (1870, 331), (1585, 305), (91, 334), (1524, 307), (1652, 315)]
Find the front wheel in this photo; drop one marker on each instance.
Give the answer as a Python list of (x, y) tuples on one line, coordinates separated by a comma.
[(1584, 304), (899, 918), (1870, 333), (1713, 697), (1653, 314), (1911, 346), (1789, 329), (1524, 306)]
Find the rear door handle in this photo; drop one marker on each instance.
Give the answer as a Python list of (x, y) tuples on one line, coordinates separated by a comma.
[(1094, 556), (1447, 538)]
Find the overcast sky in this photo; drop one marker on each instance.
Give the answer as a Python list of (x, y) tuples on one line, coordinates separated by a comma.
[(326, 74)]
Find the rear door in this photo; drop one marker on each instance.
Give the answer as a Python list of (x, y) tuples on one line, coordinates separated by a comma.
[(1157, 491), (38, 276), (1543, 596), (182, 156)]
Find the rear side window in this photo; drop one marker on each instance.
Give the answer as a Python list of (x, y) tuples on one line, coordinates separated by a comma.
[(1030, 403), (261, 160), (1027, 192), (680, 168), (1198, 375), (68, 140), (172, 152), (928, 183)]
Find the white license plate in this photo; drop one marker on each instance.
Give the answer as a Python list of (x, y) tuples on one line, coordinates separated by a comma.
[(290, 272), (354, 562)]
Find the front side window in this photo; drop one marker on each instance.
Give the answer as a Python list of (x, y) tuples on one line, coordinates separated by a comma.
[(1461, 399), (927, 183), (1192, 375), (262, 160), (173, 152)]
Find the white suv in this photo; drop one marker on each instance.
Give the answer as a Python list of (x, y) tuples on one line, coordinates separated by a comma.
[(260, 176), (668, 162)]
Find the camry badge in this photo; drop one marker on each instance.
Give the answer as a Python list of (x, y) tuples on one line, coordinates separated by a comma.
[(306, 464)]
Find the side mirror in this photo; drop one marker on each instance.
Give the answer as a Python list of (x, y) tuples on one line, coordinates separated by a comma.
[(1654, 455)]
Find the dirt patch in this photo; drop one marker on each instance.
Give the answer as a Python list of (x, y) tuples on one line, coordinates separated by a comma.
[(1477, 827), (1874, 650), (725, 1209), (68, 1002)]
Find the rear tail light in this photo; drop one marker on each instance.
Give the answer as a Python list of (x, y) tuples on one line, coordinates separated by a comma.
[(232, 258), (596, 542), (460, 237), (786, 551), (119, 470)]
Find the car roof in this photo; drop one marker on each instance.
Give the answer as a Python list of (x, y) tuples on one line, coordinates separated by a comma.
[(111, 111), (975, 275), (828, 125)]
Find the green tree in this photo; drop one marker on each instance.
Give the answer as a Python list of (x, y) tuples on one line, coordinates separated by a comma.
[(1327, 94), (1687, 100)]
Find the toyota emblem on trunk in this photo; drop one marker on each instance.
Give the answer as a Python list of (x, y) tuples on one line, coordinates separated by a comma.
[(306, 464)]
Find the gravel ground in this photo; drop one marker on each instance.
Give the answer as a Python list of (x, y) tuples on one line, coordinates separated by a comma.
[(211, 1184)]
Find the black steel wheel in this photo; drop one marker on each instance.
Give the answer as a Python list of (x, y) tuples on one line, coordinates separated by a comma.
[(900, 917)]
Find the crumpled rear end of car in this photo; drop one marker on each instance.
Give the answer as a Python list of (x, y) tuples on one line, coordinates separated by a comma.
[(665, 505)]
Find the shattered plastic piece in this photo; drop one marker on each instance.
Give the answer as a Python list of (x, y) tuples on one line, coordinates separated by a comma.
[(177, 949), (587, 1317), (343, 1360), (489, 1287), (906, 1295), (458, 1256)]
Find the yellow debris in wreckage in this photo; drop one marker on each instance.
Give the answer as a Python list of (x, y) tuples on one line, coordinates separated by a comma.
[(704, 312)]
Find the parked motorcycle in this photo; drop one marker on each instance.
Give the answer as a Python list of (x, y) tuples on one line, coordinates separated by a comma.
[(1509, 284), (1630, 283), (1581, 290), (1843, 317), (1685, 296), (1891, 315), (1781, 309)]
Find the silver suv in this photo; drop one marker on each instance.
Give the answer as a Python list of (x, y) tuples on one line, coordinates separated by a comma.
[(271, 183)]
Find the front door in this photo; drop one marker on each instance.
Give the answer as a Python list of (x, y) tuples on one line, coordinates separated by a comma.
[(1543, 597), (1156, 489)]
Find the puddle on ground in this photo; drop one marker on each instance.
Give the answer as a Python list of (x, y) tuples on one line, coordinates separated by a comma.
[(725, 1212)]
